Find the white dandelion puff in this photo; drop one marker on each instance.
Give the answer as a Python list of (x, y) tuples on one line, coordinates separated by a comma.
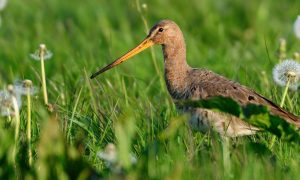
[(2, 4), (296, 56), (21, 88), (36, 55), (41, 55), (297, 27), (110, 158), (144, 6), (287, 73), (109, 155), (7, 98), (6, 106)]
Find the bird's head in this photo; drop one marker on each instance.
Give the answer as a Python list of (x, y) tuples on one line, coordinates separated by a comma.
[(162, 33)]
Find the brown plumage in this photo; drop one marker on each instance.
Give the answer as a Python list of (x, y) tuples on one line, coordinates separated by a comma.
[(184, 82)]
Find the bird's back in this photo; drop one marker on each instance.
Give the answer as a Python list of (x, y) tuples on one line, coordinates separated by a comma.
[(204, 84)]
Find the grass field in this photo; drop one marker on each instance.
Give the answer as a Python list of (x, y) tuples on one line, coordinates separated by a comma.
[(129, 105)]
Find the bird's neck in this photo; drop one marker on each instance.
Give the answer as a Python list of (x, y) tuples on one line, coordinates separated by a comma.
[(176, 67)]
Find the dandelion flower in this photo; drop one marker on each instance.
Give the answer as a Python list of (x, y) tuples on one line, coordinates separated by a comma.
[(6, 100), (296, 56), (109, 155), (36, 55), (144, 6), (41, 55), (2, 4), (21, 87), (287, 73), (297, 27), (6, 106)]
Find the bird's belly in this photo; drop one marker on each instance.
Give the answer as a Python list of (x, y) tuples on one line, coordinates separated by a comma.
[(227, 125)]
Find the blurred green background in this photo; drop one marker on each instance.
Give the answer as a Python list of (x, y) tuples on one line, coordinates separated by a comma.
[(237, 39)]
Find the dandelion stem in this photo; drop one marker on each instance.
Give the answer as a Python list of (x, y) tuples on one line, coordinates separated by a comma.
[(29, 126), (44, 86), (281, 105), (285, 93), (9, 116), (17, 128)]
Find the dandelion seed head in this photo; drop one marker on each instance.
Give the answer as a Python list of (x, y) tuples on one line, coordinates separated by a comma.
[(144, 6), (296, 56), (27, 83), (42, 46), (37, 54), (6, 104), (282, 42), (109, 154), (2, 4), (10, 88), (297, 27), (21, 87), (287, 70), (110, 157)]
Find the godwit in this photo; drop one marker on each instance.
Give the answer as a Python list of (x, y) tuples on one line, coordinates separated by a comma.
[(184, 82)]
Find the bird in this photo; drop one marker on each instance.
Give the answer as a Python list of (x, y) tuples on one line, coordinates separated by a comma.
[(186, 83)]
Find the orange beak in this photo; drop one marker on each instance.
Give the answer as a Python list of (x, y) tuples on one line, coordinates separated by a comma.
[(139, 48)]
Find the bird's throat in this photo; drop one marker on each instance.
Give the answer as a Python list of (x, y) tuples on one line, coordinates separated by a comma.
[(176, 68)]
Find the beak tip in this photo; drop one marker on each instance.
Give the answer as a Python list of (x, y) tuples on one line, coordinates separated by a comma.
[(142, 46)]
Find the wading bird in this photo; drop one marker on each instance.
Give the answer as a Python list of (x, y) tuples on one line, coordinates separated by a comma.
[(186, 83)]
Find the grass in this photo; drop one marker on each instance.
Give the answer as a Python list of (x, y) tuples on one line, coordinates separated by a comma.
[(129, 105)]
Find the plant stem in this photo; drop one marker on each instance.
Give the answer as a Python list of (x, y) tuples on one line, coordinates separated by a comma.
[(29, 126), (285, 93), (44, 86), (281, 105), (226, 156), (73, 115), (17, 128)]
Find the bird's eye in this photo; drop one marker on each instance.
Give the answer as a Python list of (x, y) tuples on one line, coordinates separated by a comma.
[(160, 29)]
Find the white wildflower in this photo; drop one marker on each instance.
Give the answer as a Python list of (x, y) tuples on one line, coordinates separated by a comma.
[(297, 27), (287, 71)]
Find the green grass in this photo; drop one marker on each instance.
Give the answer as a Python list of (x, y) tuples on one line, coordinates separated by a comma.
[(129, 105)]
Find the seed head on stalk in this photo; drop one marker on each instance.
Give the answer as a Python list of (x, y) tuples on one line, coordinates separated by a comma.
[(42, 54)]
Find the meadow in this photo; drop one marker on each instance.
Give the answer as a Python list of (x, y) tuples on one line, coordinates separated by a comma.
[(129, 106)]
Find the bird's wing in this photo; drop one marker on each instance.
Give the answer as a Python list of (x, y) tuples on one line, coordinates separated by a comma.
[(210, 84)]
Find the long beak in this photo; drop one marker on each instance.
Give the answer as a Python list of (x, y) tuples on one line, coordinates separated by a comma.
[(139, 48)]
